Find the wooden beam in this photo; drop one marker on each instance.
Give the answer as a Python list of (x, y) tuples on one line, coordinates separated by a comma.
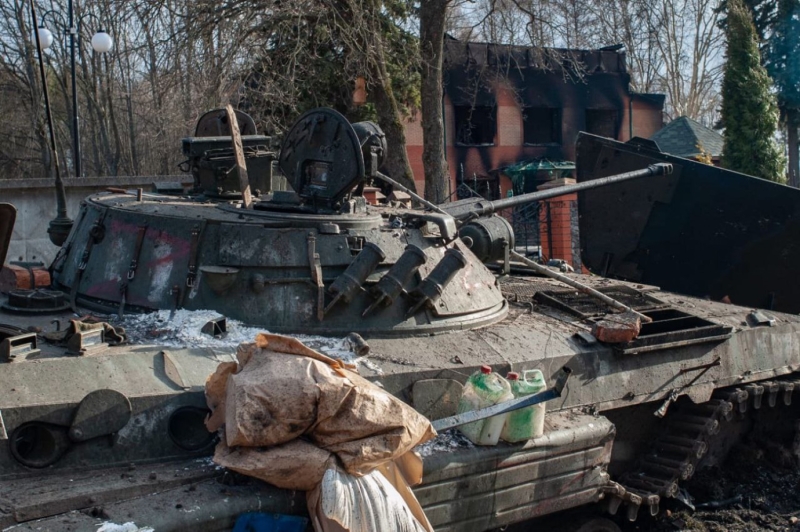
[(238, 152)]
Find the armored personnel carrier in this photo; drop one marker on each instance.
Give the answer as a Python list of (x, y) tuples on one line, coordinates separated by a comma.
[(98, 433)]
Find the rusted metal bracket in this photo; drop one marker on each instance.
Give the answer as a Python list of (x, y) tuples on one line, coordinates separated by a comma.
[(86, 343), (316, 274), (21, 345)]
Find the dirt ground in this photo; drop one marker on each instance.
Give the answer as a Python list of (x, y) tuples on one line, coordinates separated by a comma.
[(757, 488)]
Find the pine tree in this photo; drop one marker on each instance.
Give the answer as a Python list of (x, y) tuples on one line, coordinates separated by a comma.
[(782, 58), (749, 110)]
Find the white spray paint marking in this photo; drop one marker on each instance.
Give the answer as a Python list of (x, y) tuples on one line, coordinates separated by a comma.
[(112, 272), (161, 273), (195, 286)]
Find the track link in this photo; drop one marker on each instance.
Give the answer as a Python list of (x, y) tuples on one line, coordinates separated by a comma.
[(684, 440)]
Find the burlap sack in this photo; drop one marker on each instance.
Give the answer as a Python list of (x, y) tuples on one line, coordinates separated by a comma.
[(216, 390), (297, 465), (281, 390), (276, 397), (370, 426)]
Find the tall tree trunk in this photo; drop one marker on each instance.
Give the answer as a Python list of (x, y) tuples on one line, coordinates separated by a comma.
[(792, 122), (431, 29), (126, 76), (131, 128), (91, 119), (152, 73), (116, 155), (396, 161)]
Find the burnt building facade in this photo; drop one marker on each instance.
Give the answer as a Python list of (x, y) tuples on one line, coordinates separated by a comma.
[(505, 104)]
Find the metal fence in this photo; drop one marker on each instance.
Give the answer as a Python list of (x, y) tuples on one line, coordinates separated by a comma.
[(527, 223)]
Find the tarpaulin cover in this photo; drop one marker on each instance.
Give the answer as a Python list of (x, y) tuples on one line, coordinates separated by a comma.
[(292, 416)]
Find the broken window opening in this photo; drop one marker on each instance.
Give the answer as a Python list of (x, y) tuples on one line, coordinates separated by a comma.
[(602, 122), (541, 125), (475, 125)]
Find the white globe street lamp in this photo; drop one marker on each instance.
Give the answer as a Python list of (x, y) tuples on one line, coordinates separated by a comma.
[(102, 42), (45, 37)]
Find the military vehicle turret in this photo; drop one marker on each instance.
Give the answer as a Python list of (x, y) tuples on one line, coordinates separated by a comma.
[(100, 431), (316, 259)]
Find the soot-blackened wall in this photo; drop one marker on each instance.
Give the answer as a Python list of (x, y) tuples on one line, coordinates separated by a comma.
[(563, 91)]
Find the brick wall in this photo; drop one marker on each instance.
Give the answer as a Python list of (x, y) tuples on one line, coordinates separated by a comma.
[(508, 147), (558, 227)]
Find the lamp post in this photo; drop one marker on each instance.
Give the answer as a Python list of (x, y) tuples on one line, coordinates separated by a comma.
[(101, 42)]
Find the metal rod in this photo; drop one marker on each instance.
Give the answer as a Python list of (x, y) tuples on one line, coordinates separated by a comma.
[(410, 192), (48, 112), (60, 194), (506, 406), (485, 208), (76, 134), (579, 286)]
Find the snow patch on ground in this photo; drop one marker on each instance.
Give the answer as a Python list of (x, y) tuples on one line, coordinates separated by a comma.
[(183, 330), (446, 442), (108, 526)]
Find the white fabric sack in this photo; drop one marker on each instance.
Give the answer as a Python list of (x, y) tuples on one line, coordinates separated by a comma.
[(362, 504)]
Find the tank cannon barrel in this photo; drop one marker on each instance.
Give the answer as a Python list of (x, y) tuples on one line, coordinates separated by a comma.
[(485, 208)]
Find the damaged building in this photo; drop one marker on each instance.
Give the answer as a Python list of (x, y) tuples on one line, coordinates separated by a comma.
[(505, 104)]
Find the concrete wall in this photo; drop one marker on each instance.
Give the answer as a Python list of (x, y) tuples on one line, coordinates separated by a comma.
[(35, 201)]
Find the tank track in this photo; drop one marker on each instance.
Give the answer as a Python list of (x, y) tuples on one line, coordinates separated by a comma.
[(684, 440)]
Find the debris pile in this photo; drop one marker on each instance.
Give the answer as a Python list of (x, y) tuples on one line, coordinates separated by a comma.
[(752, 490), (446, 442)]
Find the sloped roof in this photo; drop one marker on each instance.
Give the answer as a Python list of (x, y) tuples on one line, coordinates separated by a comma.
[(681, 137)]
